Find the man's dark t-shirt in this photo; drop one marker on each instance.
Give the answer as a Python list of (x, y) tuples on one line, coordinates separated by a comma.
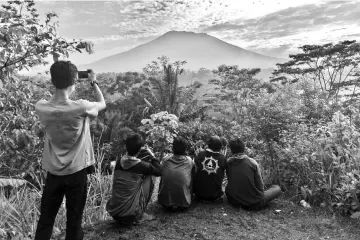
[(245, 185), (210, 174)]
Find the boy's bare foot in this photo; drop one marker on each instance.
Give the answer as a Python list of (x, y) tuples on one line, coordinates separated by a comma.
[(144, 218)]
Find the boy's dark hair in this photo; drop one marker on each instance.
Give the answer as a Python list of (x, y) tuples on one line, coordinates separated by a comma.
[(63, 74), (214, 143), (133, 143), (179, 146), (223, 142), (236, 145)]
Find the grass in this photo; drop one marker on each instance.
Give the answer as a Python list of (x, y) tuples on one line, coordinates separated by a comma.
[(19, 215), (222, 221)]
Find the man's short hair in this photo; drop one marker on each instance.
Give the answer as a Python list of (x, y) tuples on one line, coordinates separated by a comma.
[(179, 146), (133, 143), (63, 74), (214, 143), (223, 142), (237, 146)]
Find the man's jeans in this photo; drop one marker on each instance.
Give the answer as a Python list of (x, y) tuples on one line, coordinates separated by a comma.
[(73, 187)]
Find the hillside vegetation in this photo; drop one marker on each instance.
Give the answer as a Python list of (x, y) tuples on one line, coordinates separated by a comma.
[(302, 127)]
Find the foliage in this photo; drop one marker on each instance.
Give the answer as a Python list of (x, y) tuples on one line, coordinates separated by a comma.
[(164, 80), (124, 82), (198, 132), (238, 87), (26, 42), (323, 162), (331, 67), (117, 143), (315, 107), (21, 138), (272, 113), (160, 130), (19, 213)]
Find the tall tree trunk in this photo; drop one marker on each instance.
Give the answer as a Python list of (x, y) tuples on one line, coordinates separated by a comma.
[(175, 90)]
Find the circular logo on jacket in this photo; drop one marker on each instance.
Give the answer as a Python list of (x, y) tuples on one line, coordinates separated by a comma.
[(210, 165)]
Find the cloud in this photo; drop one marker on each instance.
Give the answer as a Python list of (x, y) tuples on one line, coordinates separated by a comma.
[(312, 23), (273, 27), (275, 51), (294, 20)]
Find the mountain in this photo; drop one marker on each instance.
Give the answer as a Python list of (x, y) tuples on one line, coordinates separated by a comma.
[(198, 49)]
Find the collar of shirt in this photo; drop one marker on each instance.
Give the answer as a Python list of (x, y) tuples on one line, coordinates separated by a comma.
[(209, 150), (237, 156)]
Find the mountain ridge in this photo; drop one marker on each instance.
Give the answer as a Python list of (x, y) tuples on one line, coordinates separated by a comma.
[(198, 49)]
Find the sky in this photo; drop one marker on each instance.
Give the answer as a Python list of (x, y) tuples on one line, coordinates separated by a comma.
[(270, 27)]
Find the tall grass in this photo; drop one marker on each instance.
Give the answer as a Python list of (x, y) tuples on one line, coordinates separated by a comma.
[(99, 191), (19, 210)]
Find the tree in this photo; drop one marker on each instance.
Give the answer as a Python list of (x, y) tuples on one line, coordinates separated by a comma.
[(125, 82), (237, 88), (21, 137), (164, 78), (203, 73), (25, 42), (331, 67)]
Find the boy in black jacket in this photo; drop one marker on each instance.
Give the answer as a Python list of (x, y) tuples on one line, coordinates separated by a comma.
[(210, 174)]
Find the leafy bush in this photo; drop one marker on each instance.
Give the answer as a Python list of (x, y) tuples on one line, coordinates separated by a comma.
[(21, 138), (323, 163), (160, 130), (197, 133)]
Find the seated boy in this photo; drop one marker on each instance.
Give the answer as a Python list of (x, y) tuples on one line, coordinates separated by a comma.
[(210, 165), (245, 186), (133, 183), (175, 191)]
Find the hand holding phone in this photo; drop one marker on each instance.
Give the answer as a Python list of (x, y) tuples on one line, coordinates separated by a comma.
[(89, 74)]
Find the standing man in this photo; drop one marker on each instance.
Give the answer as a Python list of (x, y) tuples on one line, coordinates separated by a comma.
[(210, 165), (68, 150)]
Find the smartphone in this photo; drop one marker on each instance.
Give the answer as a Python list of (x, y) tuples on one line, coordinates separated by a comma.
[(84, 74)]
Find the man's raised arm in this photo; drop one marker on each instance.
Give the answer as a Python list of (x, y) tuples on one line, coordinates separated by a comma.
[(100, 101)]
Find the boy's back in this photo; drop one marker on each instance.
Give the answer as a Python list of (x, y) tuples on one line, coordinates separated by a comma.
[(175, 186), (68, 145), (210, 175), (245, 185), (132, 185)]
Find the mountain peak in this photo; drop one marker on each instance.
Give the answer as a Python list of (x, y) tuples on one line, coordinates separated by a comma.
[(198, 49), (173, 32), (182, 34)]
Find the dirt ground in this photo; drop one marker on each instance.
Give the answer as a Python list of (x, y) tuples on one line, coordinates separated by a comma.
[(222, 221)]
